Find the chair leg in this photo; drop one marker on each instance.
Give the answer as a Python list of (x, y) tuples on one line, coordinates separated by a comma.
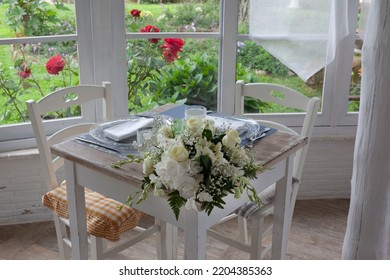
[(257, 238), (61, 235), (243, 230), (97, 245)]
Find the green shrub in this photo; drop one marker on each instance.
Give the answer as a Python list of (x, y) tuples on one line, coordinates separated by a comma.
[(257, 58), (33, 17), (194, 17), (193, 80)]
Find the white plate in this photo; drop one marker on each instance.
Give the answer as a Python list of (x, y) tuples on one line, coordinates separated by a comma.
[(97, 132), (245, 126)]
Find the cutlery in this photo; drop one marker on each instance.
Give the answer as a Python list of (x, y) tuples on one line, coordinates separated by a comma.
[(256, 137), (259, 134), (98, 144)]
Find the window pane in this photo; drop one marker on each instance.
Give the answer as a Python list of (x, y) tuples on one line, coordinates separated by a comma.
[(175, 16), (255, 64), (356, 75), (30, 71), (35, 18), (158, 73)]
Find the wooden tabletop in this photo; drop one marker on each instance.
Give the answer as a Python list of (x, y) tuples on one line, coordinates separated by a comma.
[(269, 150)]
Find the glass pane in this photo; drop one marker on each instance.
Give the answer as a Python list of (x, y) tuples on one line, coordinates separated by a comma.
[(172, 70), (243, 17), (173, 16), (356, 75), (20, 18), (30, 71), (255, 64)]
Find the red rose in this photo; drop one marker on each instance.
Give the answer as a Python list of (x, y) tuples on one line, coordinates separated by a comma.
[(171, 47), (173, 44), (55, 65), (25, 73), (150, 28), (135, 13), (170, 56)]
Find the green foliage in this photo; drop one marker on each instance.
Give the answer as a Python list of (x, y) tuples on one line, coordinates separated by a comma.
[(33, 17), (256, 58), (195, 16), (176, 202), (193, 79), (11, 87), (15, 88)]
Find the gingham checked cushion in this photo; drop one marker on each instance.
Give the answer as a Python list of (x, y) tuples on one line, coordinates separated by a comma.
[(104, 219)]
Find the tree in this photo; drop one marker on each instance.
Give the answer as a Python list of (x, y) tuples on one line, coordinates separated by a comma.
[(244, 10)]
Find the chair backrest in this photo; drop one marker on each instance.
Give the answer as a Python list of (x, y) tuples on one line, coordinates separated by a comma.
[(57, 100), (289, 98)]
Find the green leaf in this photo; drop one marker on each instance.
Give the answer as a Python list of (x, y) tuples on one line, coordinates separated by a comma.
[(176, 202), (18, 62), (205, 162), (133, 27), (208, 134)]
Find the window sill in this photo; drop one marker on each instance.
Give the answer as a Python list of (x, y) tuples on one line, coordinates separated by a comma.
[(19, 154)]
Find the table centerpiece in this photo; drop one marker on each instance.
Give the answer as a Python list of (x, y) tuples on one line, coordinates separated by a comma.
[(195, 164)]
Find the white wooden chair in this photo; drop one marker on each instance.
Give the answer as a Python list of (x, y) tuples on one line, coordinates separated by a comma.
[(292, 99), (104, 220)]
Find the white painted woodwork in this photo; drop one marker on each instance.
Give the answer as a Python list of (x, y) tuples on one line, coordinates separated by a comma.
[(369, 216), (326, 175), (92, 168), (291, 99), (227, 55)]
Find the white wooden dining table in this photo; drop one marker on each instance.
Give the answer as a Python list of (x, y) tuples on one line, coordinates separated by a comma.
[(86, 166)]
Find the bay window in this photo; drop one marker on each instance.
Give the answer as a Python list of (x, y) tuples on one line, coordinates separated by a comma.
[(217, 50)]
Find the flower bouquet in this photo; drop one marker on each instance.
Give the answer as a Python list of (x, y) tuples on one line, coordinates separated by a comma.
[(195, 164)]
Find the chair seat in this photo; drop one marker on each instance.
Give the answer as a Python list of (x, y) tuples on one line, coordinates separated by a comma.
[(267, 196), (104, 219), (248, 209)]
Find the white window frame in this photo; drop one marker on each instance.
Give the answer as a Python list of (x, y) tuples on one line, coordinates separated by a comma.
[(101, 39)]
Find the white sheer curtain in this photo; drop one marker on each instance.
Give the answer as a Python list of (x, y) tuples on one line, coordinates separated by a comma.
[(302, 34), (364, 10), (367, 232)]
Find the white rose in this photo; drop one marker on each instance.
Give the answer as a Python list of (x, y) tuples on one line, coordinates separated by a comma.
[(193, 123), (148, 166), (166, 131), (178, 152), (231, 139)]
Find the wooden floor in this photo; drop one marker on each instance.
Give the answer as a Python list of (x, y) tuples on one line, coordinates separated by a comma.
[(317, 233)]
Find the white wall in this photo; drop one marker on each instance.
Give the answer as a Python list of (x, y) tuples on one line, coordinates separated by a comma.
[(327, 174), (328, 168), (21, 188)]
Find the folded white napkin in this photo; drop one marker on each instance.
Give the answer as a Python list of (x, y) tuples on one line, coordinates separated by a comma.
[(127, 129), (224, 123)]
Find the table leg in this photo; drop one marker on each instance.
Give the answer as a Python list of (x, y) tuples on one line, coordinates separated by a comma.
[(281, 225), (77, 217), (166, 240), (195, 236)]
